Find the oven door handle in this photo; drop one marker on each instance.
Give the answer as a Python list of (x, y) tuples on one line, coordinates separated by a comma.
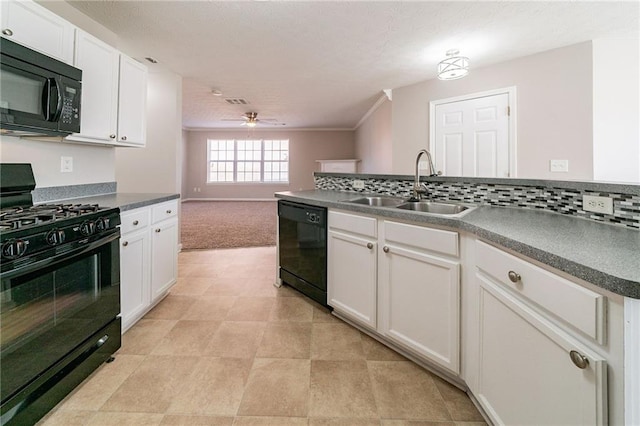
[(63, 256)]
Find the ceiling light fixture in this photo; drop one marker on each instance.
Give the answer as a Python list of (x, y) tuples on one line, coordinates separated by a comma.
[(216, 92), (251, 123), (454, 66)]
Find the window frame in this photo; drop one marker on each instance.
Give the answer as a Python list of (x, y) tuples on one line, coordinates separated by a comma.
[(235, 162)]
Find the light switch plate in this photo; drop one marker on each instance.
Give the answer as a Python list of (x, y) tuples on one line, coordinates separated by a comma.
[(358, 184)]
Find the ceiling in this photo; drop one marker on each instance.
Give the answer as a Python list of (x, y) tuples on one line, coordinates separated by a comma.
[(324, 64)]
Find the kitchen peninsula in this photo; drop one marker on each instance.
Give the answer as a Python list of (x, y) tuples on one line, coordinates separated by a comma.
[(525, 294)]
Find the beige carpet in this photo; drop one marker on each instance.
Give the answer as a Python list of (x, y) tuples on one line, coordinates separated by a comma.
[(228, 224)]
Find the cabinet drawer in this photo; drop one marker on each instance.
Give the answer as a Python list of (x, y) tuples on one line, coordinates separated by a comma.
[(134, 220), (436, 240), (164, 211), (578, 306), (353, 223)]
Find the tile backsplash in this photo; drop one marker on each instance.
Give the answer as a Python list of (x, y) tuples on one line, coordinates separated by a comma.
[(557, 196)]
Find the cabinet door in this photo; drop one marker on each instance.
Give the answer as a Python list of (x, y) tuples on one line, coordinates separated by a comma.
[(420, 304), (99, 64), (32, 25), (134, 277), (351, 277), (527, 376), (132, 101), (164, 256)]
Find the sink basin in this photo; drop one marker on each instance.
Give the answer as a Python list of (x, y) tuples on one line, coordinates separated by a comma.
[(433, 207), (378, 201)]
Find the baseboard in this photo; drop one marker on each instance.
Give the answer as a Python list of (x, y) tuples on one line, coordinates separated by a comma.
[(229, 199)]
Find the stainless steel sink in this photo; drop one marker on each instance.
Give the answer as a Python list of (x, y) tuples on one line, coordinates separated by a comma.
[(378, 201), (433, 207)]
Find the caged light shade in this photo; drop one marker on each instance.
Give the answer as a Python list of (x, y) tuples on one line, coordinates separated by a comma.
[(454, 66)]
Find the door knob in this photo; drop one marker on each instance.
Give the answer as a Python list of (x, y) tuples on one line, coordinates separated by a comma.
[(7, 32), (369, 246), (514, 277), (385, 249)]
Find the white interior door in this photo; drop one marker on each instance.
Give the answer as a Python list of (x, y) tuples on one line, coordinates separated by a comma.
[(472, 137)]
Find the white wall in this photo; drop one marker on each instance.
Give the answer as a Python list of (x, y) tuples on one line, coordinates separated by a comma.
[(91, 164), (373, 140), (616, 110), (554, 111), (157, 166)]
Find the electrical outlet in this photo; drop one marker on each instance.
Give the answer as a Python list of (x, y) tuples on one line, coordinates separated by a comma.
[(66, 164), (358, 184), (591, 203), (559, 165)]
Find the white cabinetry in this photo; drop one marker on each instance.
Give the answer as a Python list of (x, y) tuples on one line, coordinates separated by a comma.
[(352, 272), (532, 368), (148, 258), (114, 93), (164, 248), (419, 291), (132, 103), (34, 26), (392, 278), (99, 64)]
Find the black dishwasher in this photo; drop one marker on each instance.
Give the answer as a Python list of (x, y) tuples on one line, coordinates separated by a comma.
[(302, 242)]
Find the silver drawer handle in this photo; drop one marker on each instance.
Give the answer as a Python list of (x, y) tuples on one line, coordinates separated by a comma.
[(369, 246), (124, 138), (158, 230), (7, 32), (514, 277), (135, 222), (102, 340), (112, 136), (168, 211), (125, 243), (385, 249), (579, 360)]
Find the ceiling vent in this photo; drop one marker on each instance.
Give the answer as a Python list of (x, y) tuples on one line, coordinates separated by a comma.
[(236, 101)]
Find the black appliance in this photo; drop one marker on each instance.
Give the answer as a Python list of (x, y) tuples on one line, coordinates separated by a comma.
[(59, 296), (302, 243), (39, 95)]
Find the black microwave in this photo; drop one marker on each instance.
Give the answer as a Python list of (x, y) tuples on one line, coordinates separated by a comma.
[(39, 95)]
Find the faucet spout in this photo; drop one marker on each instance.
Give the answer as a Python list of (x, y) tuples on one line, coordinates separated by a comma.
[(417, 188)]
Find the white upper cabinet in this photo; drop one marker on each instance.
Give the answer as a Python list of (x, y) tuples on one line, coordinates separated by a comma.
[(132, 103), (32, 25), (99, 64)]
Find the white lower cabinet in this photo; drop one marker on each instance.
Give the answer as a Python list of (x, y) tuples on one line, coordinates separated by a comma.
[(394, 278), (420, 304), (148, 258), (531, 372), (134, 276), (352, 271)]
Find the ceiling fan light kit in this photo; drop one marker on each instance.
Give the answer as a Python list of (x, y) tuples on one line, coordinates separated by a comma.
[(453, 66)]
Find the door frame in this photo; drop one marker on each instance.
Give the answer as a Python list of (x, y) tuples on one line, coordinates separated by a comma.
[(510, 91)]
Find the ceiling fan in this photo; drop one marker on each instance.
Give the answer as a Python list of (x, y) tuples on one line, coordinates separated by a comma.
[(250, 119)]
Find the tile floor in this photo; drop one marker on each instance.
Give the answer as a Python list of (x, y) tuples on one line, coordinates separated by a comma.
[(226, 347)]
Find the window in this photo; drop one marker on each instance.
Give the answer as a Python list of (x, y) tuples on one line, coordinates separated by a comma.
[(248, 160)]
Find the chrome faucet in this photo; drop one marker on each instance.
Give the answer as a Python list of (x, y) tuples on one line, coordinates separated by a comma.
[(418, 189)]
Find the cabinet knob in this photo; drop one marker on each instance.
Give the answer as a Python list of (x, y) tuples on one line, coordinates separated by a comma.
[(7, 32), (168, 211), (112, 136), (385, 249), (369, 246), (579, 360), (124, 138), (514, 277), (157, 229), (125, 243), (135, 222)]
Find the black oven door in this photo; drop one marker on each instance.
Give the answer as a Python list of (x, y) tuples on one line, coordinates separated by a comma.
[(51, 307)]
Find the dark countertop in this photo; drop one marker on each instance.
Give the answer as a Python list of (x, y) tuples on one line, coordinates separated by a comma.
[(604, 255), (126, 201)]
